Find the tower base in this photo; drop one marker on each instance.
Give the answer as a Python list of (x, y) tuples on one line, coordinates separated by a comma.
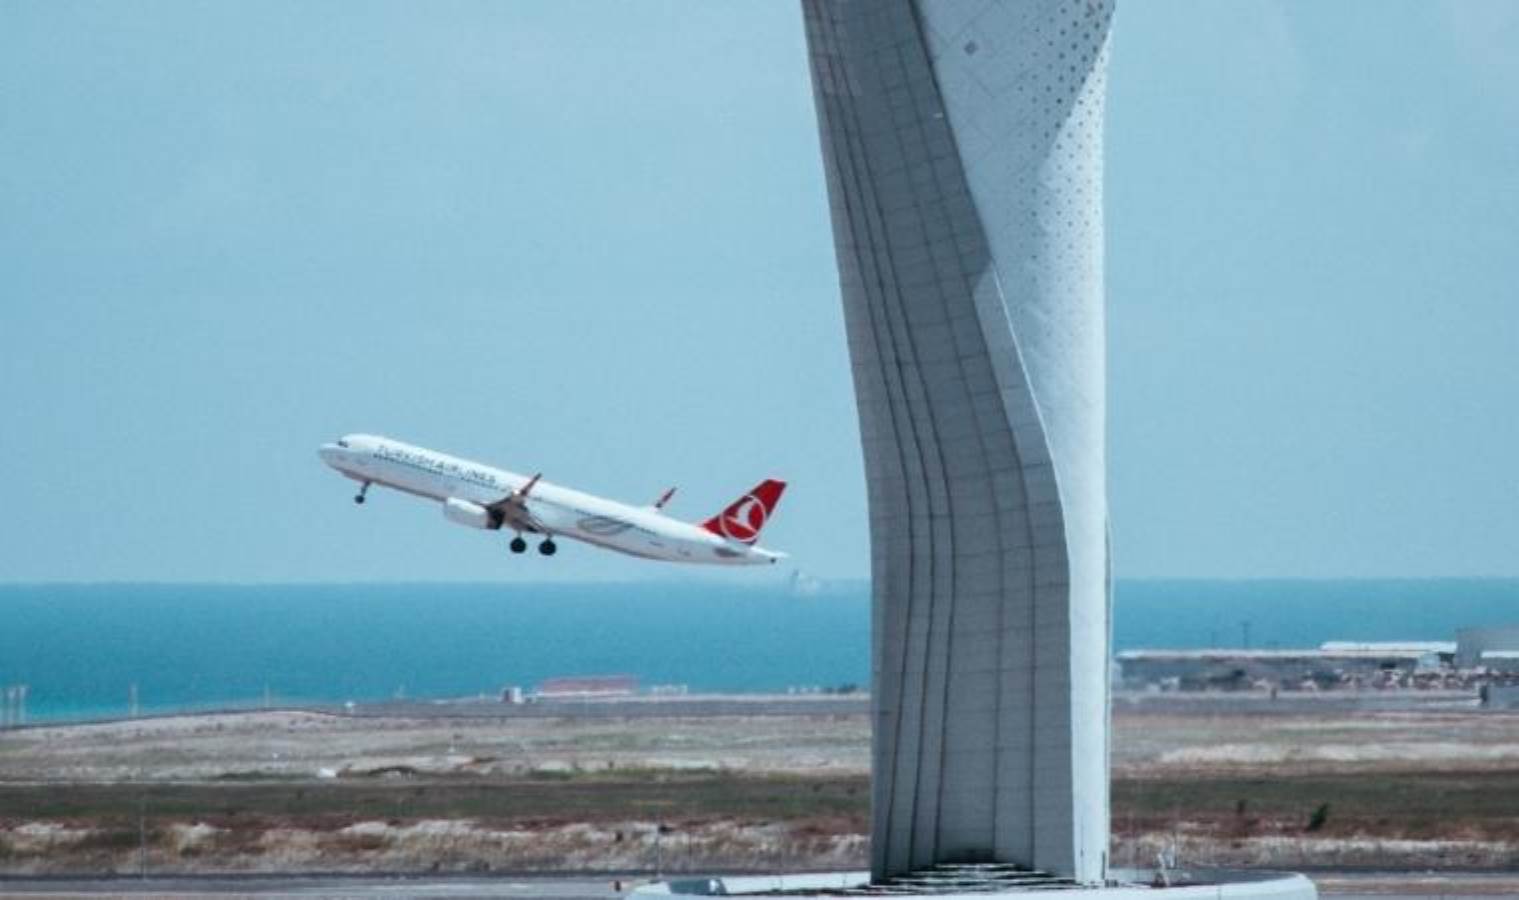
[(949, 882)]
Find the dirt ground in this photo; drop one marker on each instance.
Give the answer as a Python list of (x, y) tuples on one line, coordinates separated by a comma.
[(314, 745), (292, 791)]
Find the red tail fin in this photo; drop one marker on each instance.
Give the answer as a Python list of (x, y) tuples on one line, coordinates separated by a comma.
[(744, 518)]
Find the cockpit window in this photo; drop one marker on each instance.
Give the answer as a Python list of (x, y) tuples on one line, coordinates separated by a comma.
[(342, 443)]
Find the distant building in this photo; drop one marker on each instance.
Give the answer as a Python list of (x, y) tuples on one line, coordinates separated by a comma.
[(1472, 643), (1433, 653), (588, 687), (1229, 669), (1506, 661), (1438, 647)]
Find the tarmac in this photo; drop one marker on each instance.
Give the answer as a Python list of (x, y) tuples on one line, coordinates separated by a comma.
[(221, 887), (1348, 886)]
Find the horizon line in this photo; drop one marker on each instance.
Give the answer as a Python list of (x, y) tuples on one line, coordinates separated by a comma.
[(822, 581)]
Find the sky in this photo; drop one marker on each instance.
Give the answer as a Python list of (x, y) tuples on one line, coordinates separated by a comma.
[(591, 239)]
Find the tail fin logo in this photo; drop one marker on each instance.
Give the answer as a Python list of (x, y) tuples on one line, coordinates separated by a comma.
[(744, 518)]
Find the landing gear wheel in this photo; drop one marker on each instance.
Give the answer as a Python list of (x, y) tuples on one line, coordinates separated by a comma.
[(359, 497), (548, 547), (518, 545)]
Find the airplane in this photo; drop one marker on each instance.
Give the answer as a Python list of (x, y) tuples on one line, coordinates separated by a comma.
[(479, 496)]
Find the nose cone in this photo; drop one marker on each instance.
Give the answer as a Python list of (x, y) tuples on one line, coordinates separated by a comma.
[(331, 454)]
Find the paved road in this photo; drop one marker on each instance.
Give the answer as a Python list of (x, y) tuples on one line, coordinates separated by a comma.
[(1446, 886), (1373, 886), (585, 887)]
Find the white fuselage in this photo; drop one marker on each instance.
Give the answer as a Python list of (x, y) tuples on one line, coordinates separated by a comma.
[(553, 510)]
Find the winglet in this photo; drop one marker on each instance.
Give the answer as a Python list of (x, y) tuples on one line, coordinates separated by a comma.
[(664, 498)]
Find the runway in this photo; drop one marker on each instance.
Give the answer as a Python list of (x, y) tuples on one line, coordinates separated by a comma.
[(1345, 886), (586, 887)]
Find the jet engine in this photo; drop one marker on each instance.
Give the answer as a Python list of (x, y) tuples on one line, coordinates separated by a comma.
[(463, 512)]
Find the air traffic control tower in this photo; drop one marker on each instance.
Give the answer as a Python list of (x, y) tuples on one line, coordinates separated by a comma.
[(962, 143)]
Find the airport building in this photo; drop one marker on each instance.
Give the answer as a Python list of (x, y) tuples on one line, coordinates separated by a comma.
[(1499, 661), (1229, 669), (587, 687), (1491, 647), (1444, 652), (1480, 657)]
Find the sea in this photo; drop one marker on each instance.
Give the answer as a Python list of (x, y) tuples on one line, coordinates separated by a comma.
[(85, 651)]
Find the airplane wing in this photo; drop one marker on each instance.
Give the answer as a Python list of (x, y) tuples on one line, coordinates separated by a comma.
[(511, 510)]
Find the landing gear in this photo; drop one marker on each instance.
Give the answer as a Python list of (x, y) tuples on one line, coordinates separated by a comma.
[(548, 547), (359, 497), (518, 545)]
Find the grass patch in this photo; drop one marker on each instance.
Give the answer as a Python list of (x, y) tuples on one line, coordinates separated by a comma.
[(1478, 805), (564, 798), (1424, 805)]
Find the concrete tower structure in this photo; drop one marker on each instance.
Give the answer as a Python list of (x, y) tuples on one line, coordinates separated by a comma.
[(962, 142)]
